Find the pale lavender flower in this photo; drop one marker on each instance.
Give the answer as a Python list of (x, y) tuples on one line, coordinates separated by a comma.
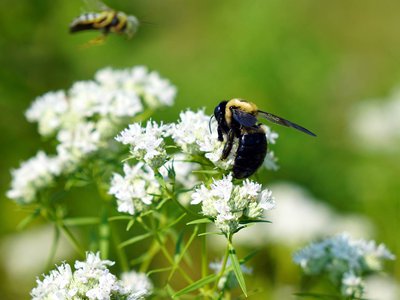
[(344, 260)]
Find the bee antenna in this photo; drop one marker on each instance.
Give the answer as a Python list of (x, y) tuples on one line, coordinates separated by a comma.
[(209, 123)]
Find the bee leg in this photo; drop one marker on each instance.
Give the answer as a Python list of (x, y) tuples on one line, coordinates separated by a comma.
[(220, 135), (96, 41), (228, 146)]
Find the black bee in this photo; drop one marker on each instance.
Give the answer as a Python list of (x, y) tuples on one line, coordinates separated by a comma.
[(238, 118)]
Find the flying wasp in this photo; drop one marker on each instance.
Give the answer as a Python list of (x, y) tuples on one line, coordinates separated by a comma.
[(106, 21), (237, 118)]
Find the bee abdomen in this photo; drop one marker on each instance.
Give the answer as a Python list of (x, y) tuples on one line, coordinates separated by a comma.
[(250, 154), (86, 21)]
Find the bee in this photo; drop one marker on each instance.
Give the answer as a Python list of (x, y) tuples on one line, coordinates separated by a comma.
[(106, 21), (237, 118)]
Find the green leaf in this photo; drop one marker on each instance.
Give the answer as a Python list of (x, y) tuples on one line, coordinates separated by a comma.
[(210, 233), (135, 239), (26, 221), (237, 270), (196, 285), (130, 224), (200, 221), (81, 221), (254, 221), (158, 270)]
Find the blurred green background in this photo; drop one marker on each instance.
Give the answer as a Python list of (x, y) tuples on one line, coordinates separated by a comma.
[(309, 61)]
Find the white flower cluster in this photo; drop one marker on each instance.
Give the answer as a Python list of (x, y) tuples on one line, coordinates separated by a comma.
[(147, 143), (85, 119), (136, 190), (34, 174), (344, 259), (90, 280), (228, 204)]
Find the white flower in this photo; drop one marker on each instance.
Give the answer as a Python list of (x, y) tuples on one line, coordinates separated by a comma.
[(191, 128), (136, 284), (147, 143), (352, 285), (91, 280), (136, 190), (158, 91), (48, 110), (228, 204), (33, 175)]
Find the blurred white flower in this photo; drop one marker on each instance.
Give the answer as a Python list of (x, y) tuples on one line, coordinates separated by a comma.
[(380, 287), (136, 283), (90, 280), (136, 190), (156, 91), (375, 124), (228, 204), (146, 143), (33, 175), (352, 285), (48, 110), (299, 217), (344, 260)]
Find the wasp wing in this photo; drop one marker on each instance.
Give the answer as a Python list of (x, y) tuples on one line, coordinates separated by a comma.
[(281, 121), (244, 118)]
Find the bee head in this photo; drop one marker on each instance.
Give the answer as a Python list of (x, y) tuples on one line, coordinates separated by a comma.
[(219, 112)]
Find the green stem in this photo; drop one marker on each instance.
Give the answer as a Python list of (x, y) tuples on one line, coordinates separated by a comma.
[(70, 237), (122, 258), (223, 266), (53, 247)]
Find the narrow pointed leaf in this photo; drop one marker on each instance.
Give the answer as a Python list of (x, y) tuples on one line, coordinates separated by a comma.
[(196, 285), (135, 239), (237, 270)]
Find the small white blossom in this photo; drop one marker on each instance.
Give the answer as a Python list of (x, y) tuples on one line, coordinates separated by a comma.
[(344, 260), (158, 91), (228, 204), (136, 284), (136, 190), (147, 143), (48, 110), (34, 174), (91, 280), (352, 285)]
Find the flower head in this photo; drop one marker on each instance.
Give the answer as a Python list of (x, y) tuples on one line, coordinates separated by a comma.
[(136, 190), (228, 204), (344, 259), (147, 143), (33, 175), (90, 280)]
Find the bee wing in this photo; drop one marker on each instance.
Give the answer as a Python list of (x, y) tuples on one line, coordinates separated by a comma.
[(281, 121), (95, 5), (244, 118)]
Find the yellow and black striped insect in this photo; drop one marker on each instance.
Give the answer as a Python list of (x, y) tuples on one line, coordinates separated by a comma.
[(237, 118), (106, 21)]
